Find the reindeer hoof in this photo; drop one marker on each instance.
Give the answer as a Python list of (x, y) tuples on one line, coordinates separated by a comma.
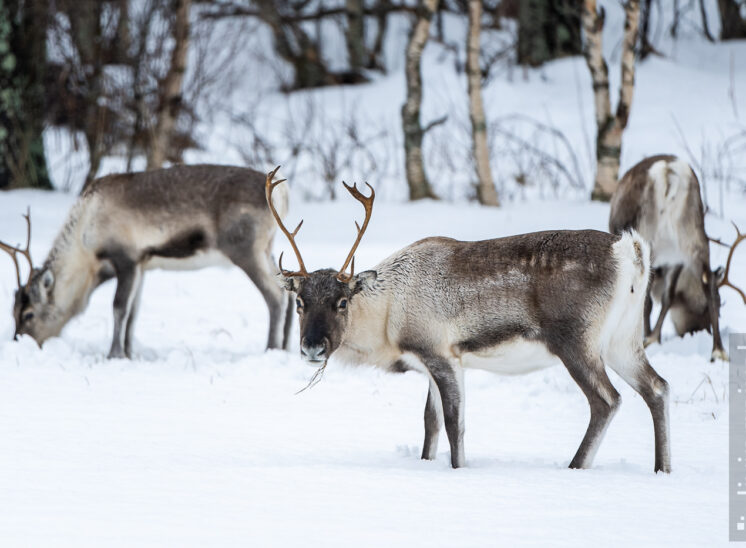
[(665, 469), (719, 354), (116, 355)]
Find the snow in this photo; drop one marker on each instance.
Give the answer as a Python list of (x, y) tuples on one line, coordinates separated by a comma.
[(202, 440)]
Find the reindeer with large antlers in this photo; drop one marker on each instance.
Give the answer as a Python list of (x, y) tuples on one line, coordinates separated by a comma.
[(510, 305), (660, 198), (180, 218)]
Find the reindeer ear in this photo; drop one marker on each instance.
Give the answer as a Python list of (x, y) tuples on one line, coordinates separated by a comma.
[(288, 283), (719, 274), (363, 281), (47, 280)]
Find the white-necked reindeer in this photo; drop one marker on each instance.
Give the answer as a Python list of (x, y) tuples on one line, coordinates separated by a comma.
[(660, 198), (509, 305), (183, 217)]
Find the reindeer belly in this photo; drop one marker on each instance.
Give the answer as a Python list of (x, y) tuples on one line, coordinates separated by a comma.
[(514, 357)]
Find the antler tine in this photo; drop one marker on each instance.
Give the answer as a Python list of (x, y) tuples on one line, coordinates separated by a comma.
[(26, 252), (10, 250), (269, 186), (13, 250), (367, 202), (726, 281), (717, 241)]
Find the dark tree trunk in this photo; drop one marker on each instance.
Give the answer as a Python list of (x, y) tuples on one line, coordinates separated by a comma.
[(646, 48), (23, 53), (87, 37), (355, 35), (303, 51), (548, 29), (733, 26)]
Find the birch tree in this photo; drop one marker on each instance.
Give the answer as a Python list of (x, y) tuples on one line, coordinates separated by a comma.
[(486, 188), (419, 187), (170, 102), (609, 126)]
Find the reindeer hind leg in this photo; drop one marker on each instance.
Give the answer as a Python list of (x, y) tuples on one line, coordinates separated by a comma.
[(603, 399), (640, 375), (240, 244)]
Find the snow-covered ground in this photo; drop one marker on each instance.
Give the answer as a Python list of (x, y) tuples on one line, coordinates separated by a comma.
[(201, 439)]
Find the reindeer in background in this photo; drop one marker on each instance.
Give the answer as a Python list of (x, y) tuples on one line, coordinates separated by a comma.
[(180, 218), (660, 198)]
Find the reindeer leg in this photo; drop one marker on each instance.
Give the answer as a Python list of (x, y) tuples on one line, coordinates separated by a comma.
[(671, 280), (253, 257), (646, 313), (603, 399), (128, 274), (128, 334), (433, 422), (654, 390), (274, 297), (449, 380)]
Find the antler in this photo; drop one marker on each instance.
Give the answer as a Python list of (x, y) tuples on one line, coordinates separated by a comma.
[(269, 186), (739, 238), (12, 251), (368, 205)]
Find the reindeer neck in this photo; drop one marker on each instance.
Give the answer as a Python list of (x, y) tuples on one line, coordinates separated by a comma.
[(75, 268)]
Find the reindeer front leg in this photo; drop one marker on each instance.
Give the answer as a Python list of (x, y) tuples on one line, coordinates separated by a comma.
[(448, 377), (433, 422), (129, 277), (672, 278)]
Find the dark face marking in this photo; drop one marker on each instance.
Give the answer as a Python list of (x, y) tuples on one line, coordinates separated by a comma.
[(323, 303), (32, 307)]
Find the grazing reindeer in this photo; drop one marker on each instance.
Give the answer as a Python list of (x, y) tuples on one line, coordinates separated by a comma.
[(660, 198), (183, 217), (510, 305)]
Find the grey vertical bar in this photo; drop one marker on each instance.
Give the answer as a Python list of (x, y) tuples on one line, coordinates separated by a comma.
[(737, 439)]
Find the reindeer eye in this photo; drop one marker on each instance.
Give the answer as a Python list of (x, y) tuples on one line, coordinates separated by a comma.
[(28, 316), (342, 304)]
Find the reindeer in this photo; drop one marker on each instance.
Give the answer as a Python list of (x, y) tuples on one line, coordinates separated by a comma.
[(183, 217), (660, 198), (510, 305)]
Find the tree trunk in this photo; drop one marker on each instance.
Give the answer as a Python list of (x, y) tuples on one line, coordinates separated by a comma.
[(23, 58), (355, 35), (486, 189), (170, 102), (609, 127), (418, 185), (733, 25), (548, 29), (375, 59), (705, 24)]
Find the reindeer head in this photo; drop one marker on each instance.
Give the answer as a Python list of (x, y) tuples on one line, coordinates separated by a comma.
[(33, 308), (323, 296)]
